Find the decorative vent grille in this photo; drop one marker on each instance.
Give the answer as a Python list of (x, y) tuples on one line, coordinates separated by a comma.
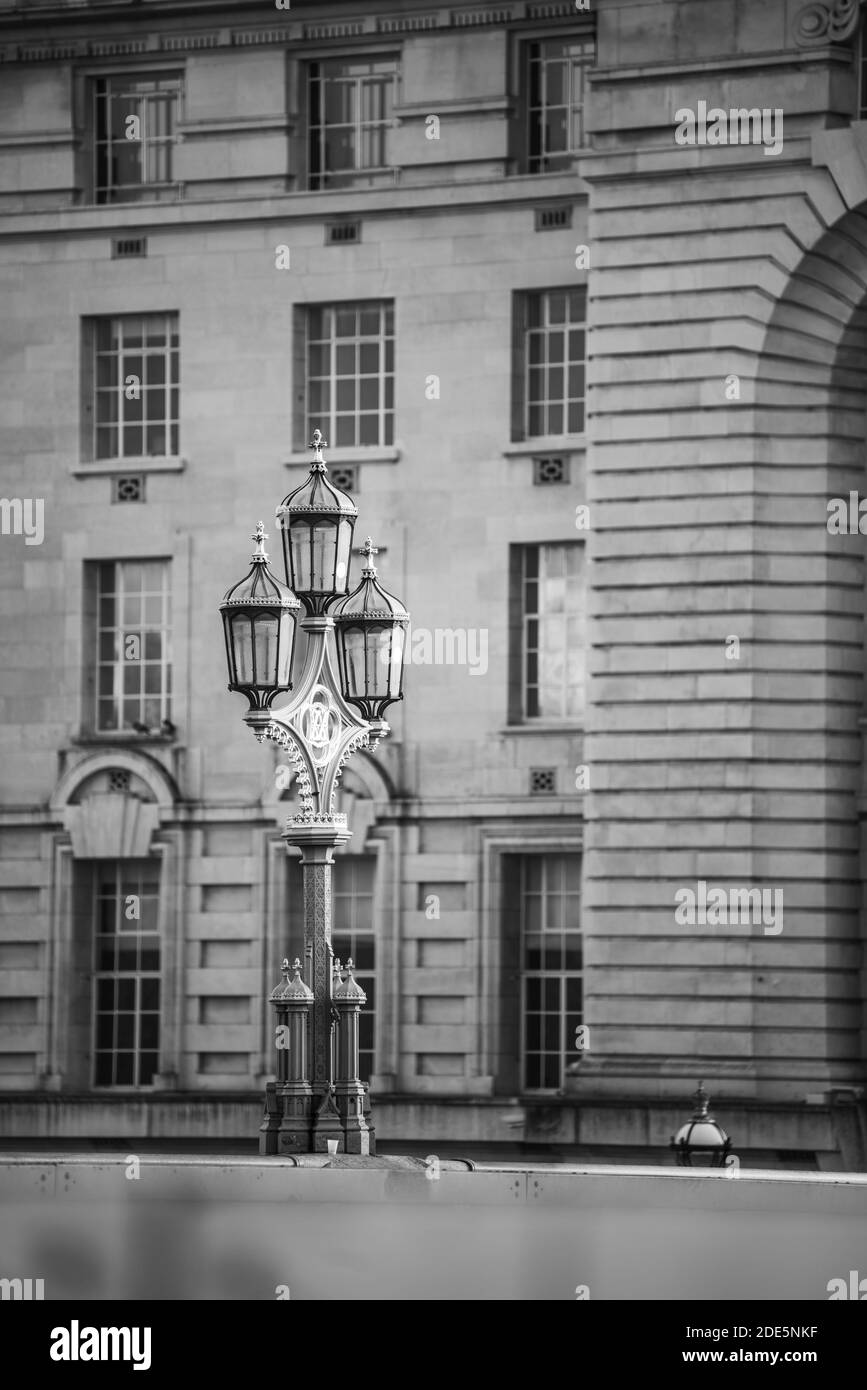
[(118, 780), (350, 30), (35, 53), (547, 219), (550, 470), (344, 476), (406, 24), (241, 37), (551, 9), (180, 41), (463, 18), (542, 781), (340, 233), (122, 248), (129, 488), (109, 48)]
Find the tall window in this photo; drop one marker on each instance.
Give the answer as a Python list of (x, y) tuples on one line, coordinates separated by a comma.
[(352, 934), (350, 372), (126, 973), (549, 375), (555, 105), (136, 386), (135, 123), (548, 655), (133, 654), (350, 121), (551, 967)]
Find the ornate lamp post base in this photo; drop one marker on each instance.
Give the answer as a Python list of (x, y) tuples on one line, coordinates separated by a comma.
[(331, 1109)]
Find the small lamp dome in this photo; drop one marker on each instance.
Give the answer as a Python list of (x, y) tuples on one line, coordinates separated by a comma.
[(701, 1142), (294, 989), (349, 989)]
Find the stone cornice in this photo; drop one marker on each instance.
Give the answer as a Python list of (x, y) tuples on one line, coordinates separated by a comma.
[(521, 190), (131, 32)]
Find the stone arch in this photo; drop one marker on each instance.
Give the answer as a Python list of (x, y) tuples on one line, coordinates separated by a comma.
[(112, 823), (160, 783), (810, 427)]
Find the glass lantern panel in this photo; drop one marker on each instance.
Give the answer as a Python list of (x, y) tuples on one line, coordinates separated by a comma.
[(242, 648), (284, 660), (314, 546), (344, 545), (397, 646), (355, 661), (266, 627)]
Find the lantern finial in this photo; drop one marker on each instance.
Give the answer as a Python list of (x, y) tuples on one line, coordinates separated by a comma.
[(702, 1100), (317, 444), (369, 550), (259, 556)]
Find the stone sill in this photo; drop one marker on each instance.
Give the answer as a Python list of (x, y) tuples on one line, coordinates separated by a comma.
[(547, 444), (541, 728), (112, 740), (147, 463), (437, 195)]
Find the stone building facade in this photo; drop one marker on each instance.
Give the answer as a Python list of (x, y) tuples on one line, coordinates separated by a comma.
[(590, 355)]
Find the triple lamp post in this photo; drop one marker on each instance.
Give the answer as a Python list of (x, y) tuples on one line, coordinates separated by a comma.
[(318, 1103)]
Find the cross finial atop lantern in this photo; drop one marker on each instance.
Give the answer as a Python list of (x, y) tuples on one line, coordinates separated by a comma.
[(701, 1099), (317, 444), (368, 550), (260, 538)]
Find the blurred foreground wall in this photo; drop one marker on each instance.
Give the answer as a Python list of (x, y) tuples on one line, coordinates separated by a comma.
[(211, 1229)]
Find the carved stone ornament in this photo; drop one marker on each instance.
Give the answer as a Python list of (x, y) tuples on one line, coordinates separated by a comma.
[(834, 21)]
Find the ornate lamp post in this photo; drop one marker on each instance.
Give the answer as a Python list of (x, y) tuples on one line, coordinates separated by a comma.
[(319, 729)]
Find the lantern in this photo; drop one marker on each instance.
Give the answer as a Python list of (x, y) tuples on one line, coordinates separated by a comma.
[(259, 617), (317, 521), (370, 628), (701, 1142)]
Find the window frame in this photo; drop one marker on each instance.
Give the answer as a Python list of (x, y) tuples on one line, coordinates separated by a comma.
[(528, 305), (326, 419), (318, 177), (94, 629), (563, 161), (563, 975), (521, 618), (125, 871), (170, 386), (150, 190)]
